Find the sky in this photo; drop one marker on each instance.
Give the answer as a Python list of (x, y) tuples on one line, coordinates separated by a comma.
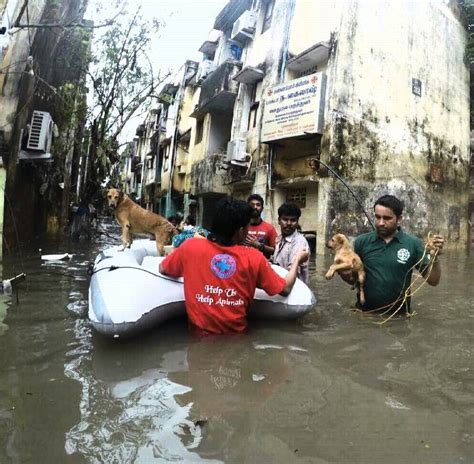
[(187, 24)]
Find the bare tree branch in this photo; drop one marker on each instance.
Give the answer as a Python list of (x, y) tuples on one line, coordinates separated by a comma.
[(82, 25)]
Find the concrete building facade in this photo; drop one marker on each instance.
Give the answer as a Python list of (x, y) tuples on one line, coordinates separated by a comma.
[(378, 91), (41, 90)]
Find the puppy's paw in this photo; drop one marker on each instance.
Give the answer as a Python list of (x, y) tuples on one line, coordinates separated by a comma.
[(329, 275)]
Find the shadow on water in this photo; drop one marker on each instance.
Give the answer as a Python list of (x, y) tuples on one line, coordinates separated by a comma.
[(332, 387)]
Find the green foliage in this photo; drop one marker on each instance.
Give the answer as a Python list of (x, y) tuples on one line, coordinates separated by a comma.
[(467, 7), (72, 105), (121, 74), (122, 82)]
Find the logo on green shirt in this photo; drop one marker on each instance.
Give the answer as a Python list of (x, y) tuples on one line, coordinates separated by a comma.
[(403, 255)]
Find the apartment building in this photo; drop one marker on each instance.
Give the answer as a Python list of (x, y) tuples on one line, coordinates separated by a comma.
[(377, 91)]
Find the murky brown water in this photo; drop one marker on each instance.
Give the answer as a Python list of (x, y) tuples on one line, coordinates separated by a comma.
[(333, 387)]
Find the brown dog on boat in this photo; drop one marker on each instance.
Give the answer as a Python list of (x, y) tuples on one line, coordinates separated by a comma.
[(136, 220), (347, 263)]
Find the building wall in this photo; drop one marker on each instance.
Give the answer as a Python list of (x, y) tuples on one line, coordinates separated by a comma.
[(38, 192), (314, 22), (383, 137), (378, 134), (15, 61)]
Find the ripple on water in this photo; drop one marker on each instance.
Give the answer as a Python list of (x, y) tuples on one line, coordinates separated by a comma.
[(393, 403)]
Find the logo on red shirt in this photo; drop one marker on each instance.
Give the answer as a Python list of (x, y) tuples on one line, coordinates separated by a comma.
[(223, 266)]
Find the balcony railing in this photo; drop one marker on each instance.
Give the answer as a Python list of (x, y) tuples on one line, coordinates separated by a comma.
[(218, 90)]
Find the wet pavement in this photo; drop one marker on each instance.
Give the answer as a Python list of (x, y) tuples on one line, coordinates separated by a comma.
[(334, 387)]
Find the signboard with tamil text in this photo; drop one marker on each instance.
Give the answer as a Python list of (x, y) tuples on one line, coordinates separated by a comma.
[(294, 108)]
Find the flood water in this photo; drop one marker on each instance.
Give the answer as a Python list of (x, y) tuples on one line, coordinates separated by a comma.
[(334, 387)]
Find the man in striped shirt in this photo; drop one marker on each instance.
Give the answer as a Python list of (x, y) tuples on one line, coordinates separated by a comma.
[(290, 241)]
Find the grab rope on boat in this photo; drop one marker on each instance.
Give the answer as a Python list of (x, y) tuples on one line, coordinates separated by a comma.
[(114, 268)]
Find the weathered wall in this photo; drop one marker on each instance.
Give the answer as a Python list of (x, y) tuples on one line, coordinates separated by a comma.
[(384, 138), (379, 134), (313, 22), (15, 61), (35, 195), (206, 176)]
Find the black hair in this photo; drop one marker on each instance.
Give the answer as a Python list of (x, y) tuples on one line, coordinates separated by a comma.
[(389, 201), (289, 209), (255, 196), (190, 220), (230, 215)]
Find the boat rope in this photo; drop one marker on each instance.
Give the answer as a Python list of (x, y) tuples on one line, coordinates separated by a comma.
[(114, 268)]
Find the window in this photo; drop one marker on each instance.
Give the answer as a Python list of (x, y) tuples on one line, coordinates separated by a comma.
[(166, 153), (297, 195), (199, 131), (252, 122), (268, 13)]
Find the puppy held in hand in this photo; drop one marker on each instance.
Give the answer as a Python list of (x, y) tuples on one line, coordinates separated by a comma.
[(347, 264), (136, 220)]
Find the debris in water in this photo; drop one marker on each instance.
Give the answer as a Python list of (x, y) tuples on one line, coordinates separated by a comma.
[(58, 257)]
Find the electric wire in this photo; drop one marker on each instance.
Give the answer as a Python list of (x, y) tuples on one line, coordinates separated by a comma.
[(334, 173)]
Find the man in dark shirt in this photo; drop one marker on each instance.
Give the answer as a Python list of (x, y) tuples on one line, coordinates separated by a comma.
[(389, 255)]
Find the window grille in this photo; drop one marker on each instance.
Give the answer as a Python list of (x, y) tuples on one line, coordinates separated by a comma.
[(297, 195)]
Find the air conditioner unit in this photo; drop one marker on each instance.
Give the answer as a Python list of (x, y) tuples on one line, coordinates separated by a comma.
[(236, 153), (41, 132), (244, 27), (205, 68)]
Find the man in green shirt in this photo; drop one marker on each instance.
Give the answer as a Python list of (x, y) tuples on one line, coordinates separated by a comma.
[(390, 255)]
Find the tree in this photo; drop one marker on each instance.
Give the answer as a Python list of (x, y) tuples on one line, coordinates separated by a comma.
[(122, 84)]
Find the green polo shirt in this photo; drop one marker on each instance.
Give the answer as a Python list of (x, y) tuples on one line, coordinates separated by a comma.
[(387, 266)]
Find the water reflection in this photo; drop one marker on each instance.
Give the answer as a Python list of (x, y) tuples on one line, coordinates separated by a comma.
[(172, 397), (333, 387), (129, 410)]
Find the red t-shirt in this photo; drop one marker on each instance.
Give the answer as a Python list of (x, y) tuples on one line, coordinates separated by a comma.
[(264, 232), (220, 282)]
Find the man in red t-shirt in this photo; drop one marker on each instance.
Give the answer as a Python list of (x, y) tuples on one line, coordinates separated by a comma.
[(220, 275), (262, 235)]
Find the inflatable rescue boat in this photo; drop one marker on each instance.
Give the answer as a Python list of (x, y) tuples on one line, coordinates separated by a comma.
[(128, 295)]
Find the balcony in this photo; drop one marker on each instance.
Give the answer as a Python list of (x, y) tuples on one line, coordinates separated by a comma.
[(315, 55), (218, 90), (240, 177), (167, 94), (230, 13), (249, 75), (207, 176), (209, 46)]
